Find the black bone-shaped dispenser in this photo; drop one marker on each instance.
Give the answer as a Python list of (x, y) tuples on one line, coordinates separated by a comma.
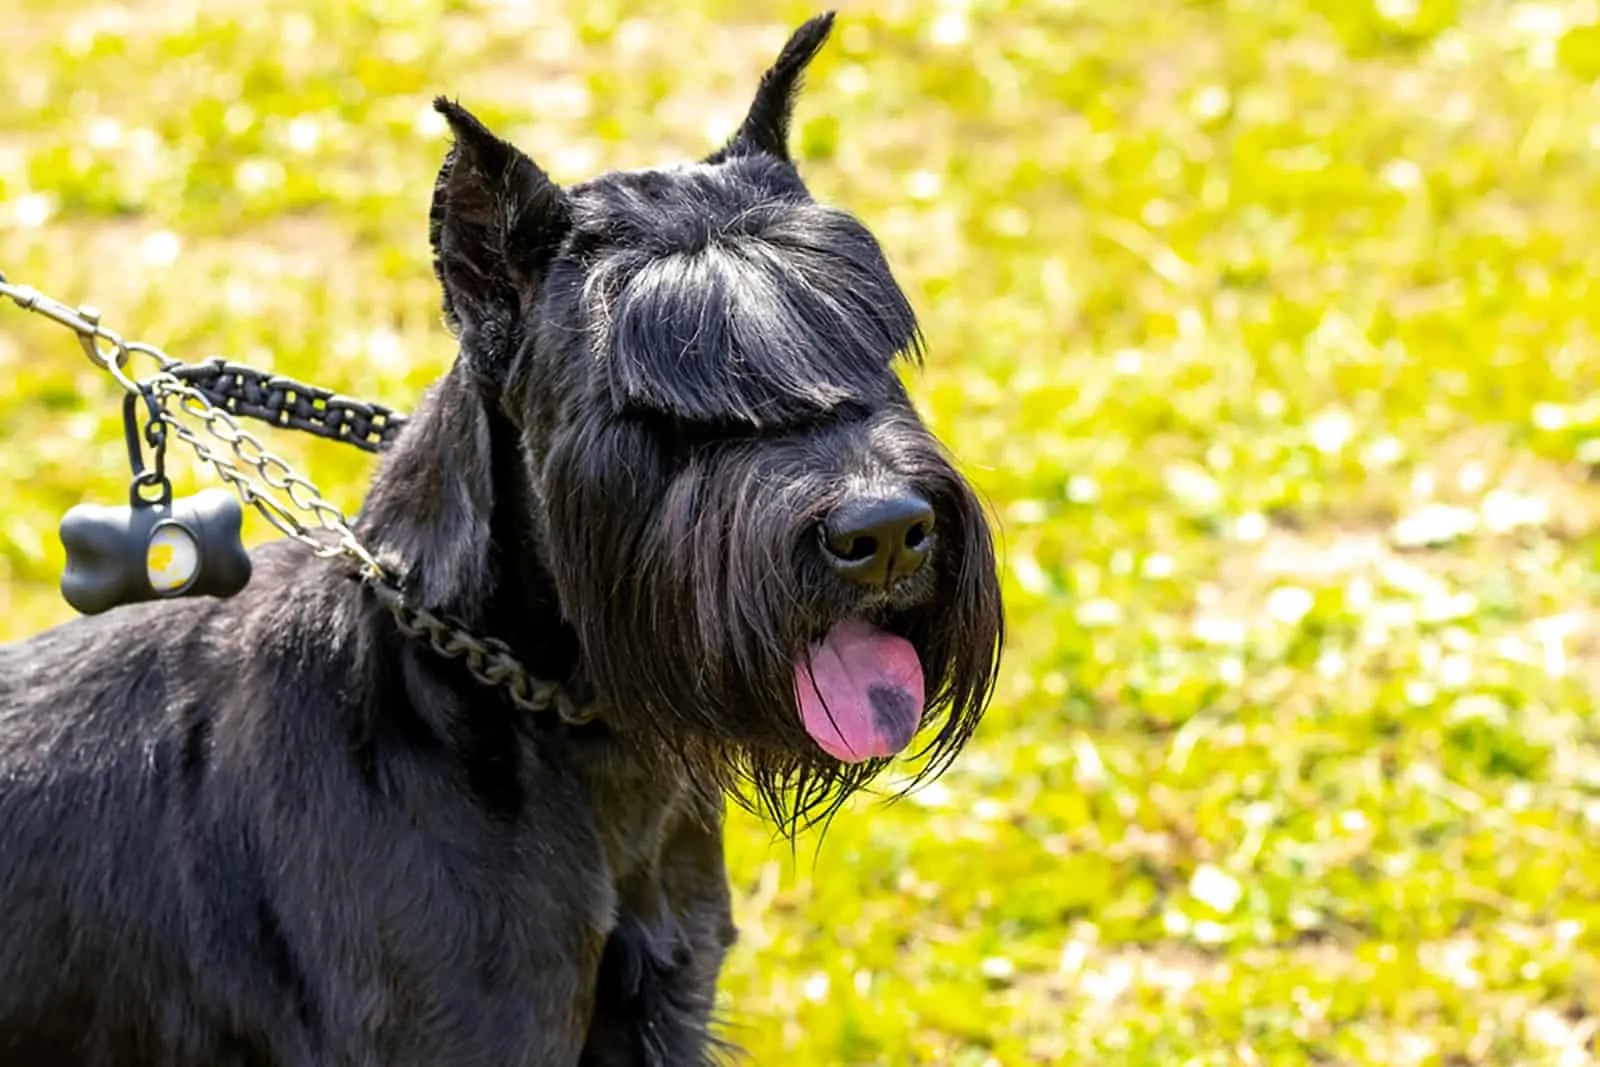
[(152, 549), (122, 555)]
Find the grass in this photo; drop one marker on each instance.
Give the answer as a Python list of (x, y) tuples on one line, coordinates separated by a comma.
[(1269, 327)]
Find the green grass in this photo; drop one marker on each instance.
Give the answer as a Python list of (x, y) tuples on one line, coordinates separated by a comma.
[(1269, 327)]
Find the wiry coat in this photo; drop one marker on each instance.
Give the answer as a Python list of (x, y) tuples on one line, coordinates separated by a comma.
[(273, 831)]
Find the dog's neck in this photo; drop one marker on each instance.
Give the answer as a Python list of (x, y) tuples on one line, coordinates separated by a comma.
[(450, 509)]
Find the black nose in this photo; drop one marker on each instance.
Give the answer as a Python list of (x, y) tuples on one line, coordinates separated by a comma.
[(877, 539)]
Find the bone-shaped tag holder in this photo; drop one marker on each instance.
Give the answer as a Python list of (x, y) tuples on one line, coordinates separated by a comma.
[(149, 551)]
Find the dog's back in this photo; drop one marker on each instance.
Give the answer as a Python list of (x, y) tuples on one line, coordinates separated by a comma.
[(211, 854), (108, 853), (91, 769)]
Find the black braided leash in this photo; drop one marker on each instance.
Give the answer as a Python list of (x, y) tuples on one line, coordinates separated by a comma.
[(292, 405)]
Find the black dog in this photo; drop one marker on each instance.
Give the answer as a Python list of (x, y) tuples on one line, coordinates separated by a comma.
[(674, 469)]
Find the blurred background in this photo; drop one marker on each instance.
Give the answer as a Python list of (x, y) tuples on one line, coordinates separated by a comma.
[(1268, 327)]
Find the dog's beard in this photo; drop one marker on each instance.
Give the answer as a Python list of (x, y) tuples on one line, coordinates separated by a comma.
[(711, 620)]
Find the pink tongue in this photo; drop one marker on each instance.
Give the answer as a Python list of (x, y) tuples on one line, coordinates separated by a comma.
[(862, 694)]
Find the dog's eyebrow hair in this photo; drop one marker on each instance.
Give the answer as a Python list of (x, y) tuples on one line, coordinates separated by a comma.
[(777, 312)]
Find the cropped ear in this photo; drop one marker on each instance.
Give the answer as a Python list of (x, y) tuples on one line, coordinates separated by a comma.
[(766, 126), (495, 221)]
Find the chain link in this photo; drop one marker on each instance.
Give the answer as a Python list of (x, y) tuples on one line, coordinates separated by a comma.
[(489, 660), (214, 392)]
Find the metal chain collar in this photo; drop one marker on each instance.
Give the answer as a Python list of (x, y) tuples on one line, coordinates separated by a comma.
[(214, 392)]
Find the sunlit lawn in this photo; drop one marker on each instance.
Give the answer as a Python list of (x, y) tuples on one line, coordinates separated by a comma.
[(1268, 328)]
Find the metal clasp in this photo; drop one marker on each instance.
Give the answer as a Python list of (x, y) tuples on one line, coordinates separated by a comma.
[(83, 321)]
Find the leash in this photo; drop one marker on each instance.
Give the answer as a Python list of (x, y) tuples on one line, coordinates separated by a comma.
[(163, 548)]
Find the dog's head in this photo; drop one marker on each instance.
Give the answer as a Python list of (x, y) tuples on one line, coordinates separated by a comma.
[(759, 544)]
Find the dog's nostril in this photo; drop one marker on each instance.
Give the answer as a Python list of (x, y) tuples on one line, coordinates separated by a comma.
[(849, 546), (860, 548), (916, 535)]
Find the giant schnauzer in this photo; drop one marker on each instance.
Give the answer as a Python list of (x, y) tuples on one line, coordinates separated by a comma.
[(675, 470)]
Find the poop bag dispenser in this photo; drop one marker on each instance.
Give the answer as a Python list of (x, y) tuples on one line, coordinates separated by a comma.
[(155, 547)]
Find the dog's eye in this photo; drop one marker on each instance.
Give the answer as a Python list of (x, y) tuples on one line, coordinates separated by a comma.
[(680, 438)]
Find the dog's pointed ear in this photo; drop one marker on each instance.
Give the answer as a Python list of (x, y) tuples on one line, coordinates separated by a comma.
[(495, 221), (766, 126)]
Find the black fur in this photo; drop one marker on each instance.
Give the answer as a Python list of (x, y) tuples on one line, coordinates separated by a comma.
[(272, 830)]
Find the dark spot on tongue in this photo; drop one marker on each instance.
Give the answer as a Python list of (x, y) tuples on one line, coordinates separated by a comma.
[(894, 714)]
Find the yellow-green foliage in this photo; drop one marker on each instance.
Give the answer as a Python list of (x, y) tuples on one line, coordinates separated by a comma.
[(1268, 327)]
